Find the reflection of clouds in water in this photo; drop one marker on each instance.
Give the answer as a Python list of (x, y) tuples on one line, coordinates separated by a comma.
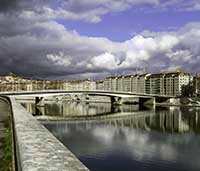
[(167, 152), (104, 134), (143, 146), (140, 144)]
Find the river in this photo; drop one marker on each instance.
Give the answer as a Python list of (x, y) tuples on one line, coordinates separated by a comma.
[(127, 138)]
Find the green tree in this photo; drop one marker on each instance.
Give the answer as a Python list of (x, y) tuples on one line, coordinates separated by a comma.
[(187, 90)]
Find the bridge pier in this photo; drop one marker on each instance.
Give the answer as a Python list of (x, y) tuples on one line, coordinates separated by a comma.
[(39, 101), (116, 100), (147, 101), (39, 110), (161, 100)]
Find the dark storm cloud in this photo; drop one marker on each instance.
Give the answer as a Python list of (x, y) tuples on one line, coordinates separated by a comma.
[(6, 5)]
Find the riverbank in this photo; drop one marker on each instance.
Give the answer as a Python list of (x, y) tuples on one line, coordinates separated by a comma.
[(182, 102), (5, 138), (178, 105)]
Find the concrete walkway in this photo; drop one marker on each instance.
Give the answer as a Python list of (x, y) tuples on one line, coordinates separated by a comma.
[(37, 148), (4, 117)]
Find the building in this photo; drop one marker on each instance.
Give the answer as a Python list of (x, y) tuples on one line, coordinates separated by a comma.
[(174, 81), (169, 83), (134, 83), (141, 83), (197, 84), (107, 83), (127, 83), (99, 85), (165, 83), (120, 83), (84, 85), (155, 84)]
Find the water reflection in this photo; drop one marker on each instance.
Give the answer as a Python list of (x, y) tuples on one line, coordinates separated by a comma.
[(65, 109), (113, 147), (173, 119)]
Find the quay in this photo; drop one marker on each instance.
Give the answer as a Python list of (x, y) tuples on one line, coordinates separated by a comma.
[(36, 149)]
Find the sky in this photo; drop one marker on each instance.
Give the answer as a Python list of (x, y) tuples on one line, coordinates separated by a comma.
[(80, 39)]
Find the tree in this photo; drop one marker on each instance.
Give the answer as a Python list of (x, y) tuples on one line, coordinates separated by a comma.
[(187, 90)]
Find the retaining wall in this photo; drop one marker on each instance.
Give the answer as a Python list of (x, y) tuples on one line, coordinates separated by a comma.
[(37, 149)]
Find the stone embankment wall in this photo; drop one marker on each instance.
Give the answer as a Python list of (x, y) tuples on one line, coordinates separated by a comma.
[(38, 149)]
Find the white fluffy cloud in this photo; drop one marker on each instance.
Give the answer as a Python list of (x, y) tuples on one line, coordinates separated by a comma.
[(104, 61)]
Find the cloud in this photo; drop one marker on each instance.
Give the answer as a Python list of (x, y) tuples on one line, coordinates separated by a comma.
[(87, 10), (31, 37), (160, 50), (192, 5), (60, 59), (104, 61)]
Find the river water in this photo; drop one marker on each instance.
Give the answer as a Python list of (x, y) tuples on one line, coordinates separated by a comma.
[(127, 138)]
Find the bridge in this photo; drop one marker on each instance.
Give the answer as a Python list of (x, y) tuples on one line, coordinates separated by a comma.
[(116, 97)]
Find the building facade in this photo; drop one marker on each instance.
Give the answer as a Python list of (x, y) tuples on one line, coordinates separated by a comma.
[(197, 84), (84, 85), (166, 83)]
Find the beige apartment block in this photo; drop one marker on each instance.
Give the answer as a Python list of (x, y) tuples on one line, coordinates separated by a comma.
[(99, 85), (85, 85), (169, 83), (141, 83)]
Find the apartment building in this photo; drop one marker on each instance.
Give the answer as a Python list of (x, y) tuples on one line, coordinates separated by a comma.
[(197, 84), (79, 85), (120, 83), (114, 84), (155, 84), (141, 83), (107, 83), (134, 83), (127, 83), (99, 85), (167, 83)]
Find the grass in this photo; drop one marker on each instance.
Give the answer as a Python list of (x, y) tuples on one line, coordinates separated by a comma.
[(7, 158)]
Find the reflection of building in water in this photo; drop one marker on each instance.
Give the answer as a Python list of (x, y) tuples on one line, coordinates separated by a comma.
[(29, 107), (89, 109), (175, 119), (79, 109), (53, 109), (172, 120), (82, 109)]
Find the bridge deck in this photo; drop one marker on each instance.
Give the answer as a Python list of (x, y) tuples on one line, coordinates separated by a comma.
[(95, 92)]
